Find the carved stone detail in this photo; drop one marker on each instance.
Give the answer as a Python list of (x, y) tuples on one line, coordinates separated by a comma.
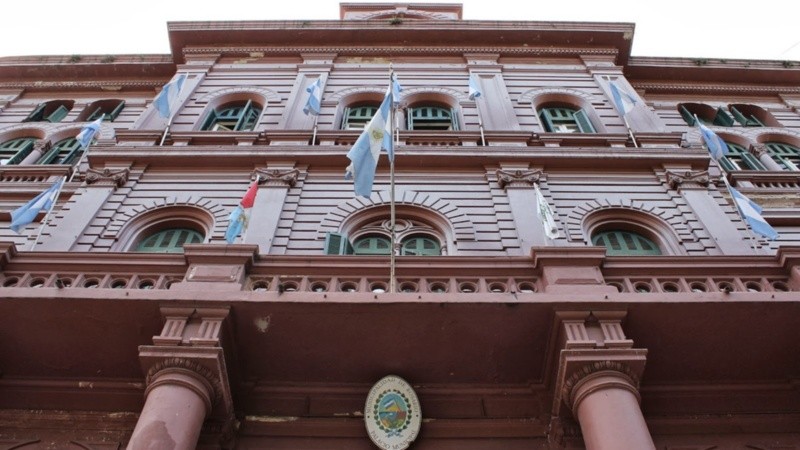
[(107, 177), (42, 146), (592, 368), (560, 428), (688, 179), (758, 150), (276, 177), (518, 178), (170, 364)]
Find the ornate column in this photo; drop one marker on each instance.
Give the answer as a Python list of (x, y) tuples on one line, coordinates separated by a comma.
[(40, 147), (760, 150), (598, 383), (266, 211), (82, 207), (187, 381), (519, 187), (693, 187)]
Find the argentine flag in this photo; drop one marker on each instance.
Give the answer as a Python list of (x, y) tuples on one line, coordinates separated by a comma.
[(751, 213), (314, 98), (716, 146), (474, 90), (622, 100), (88, 132), (167, 99), (364, 155)]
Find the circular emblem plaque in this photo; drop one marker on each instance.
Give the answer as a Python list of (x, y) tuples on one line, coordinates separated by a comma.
[(392, 413)]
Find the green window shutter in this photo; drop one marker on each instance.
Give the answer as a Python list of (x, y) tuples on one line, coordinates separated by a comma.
[(688, 117), (410, 118), (346, 120), (547, 120), (337, 244), (37, 115), (584, 124), (739, 158), (95, 114), (355, 118), (625, 243), (420, 246), (747, 121), (241, 123), (372, 245), (430, 118), (64, 152), (170, 240), (115, 112), (453, 119), (788, 156), (14, 151), (210, 121), (58, 114), (722, 118)]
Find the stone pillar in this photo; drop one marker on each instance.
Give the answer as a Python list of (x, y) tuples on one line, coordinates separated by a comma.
[(179, 399), (497, 114), (187, 381), (598, 382), (82, 208), (519, 187), (760, 150), (693, 187), (315, 65), (571, 270), (40, 148), (606, 403), (266, 211)]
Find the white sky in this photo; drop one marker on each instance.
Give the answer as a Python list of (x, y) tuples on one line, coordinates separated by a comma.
[(767, 29)]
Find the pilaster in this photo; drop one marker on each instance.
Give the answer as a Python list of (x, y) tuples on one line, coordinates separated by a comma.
[(571, 270), (519, 183), (215, 267), (498, 114), (276, 180)]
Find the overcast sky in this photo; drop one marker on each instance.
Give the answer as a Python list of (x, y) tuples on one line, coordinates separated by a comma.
[(766, 29)]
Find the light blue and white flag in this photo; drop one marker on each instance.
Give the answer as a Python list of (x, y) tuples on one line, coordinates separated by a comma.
[(167, 100), (622, 100), (364, 155), (88, 132), (474, 90), (751, 212), (314, 98), (396, 89), (716, 145), (26, 213), (546, 214)]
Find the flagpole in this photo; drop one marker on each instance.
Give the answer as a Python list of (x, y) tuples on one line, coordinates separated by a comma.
[(80, 161), (47, 214), (314, 134), (630, 132), (391, 189), (166, 130)]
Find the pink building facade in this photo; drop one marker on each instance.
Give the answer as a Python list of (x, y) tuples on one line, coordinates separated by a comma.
[(647, 314)]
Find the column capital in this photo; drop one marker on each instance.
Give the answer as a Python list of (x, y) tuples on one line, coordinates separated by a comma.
[(107, 176), (278, 177), (518, 178), (758, 150), (688, 179)]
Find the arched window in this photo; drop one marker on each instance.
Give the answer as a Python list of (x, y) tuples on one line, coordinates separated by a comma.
[(625, 243), (356, 117), (420, 246), (788, 156), (107, 109), (65, 151), (238, 116), (14, 151), (52, 111), (169, 240), (707, 114), (564, 119), (372, 245), (738, 158), (431, 117)]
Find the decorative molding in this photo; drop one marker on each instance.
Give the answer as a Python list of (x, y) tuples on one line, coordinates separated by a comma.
[(622, 369), (715, 89), (107, 177), (530, 95), (89, 85), (462, 227), (268, 95), (518, 178), (277, 177), (758, 150), (169, 364), (688, 179), (218, 214), (406, 50), (458, 96), (578, 214), (338, 96)]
